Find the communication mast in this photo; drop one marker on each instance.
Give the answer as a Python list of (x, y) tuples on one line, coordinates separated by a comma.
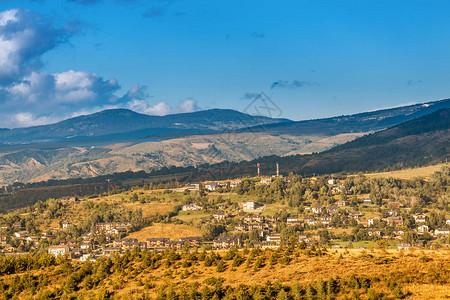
[(257, 165)]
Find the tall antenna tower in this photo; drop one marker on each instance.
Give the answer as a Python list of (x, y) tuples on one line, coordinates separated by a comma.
[(257, 165), (278, 170)]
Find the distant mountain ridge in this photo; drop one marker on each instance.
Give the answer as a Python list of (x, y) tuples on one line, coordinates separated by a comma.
[(361, 122), (122, 140), (120, 123), (417, 142)]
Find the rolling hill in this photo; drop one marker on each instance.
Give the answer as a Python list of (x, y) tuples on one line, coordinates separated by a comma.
[(122, 140), (126, 124), (417, 142), (362, 122)]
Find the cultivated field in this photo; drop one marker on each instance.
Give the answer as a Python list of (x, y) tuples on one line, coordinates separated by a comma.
[(410, 173), (161, 230)]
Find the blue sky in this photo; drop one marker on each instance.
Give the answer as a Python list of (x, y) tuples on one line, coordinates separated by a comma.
[(313, 58)]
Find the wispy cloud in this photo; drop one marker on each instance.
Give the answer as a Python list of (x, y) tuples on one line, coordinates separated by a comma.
[(160, 9), (258, 35), (154, 12), (413, 82), (294, 84), (250, 96), (86, 2)]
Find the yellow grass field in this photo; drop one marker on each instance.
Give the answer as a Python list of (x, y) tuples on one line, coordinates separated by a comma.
[(424, 172), (305, 270), (171, 231)]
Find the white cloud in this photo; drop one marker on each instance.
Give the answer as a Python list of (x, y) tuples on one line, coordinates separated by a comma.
[(186, 106), (24, 37), (28, 119), (29, 96), (161, 108)]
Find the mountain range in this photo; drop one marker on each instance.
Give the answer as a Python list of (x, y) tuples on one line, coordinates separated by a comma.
[(116, 124), (417, 142), (120, 140)]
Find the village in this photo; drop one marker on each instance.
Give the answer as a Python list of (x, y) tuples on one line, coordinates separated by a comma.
[(345, 221)]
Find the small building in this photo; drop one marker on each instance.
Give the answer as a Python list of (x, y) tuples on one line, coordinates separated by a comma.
[(126, 243), (332, 210), (69, 199), (253, 219), (219, 216), (235, 183), (341, 203), (395, 221), (3, 240), (248, 205), (326, 220), (317, 209), (266, 181), (178, 245), (394, 204), (310, 220), (331, 181), (367, 201), (66, 225), (373, 232), (21, 234), (423, 228), (420, 218), (58, 250), (193, 187), (226, 242), (398, 233), (211, 186), (442, 231), (33, 239), (294, 221), (271, 219), (355, 214), (156, 242), (403, 246), (274, 238), (192, 241), (392, 212), (371, 221), (192, 207)]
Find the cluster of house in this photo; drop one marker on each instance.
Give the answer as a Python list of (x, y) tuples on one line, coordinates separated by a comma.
[(88, 252), (214, 185)]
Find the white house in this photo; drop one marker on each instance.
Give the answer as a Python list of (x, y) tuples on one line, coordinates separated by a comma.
[(441, 231), (58, 250), (274, 238), (367, 201), (317, 209), (219, 216), (211, 186), (249, 205), (192, 207), (423, 228)]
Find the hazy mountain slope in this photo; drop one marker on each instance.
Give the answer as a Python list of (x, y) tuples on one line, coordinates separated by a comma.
[(416, 142), (70, 160), (73, 162), (124, 123), (363, 122)]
